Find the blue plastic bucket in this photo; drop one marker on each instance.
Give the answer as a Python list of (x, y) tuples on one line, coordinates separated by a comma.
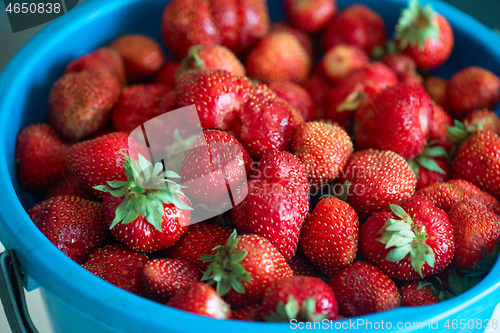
[(79, 301)]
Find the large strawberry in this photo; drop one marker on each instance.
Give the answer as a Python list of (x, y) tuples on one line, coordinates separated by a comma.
[(75, 225), (408, 241), (425, 35), (362, 288), (396, 119), (148, 211), (301, 298), (244, 267), (329, 237)]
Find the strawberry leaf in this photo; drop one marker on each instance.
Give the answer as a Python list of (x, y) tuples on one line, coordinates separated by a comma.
[(415, 25)]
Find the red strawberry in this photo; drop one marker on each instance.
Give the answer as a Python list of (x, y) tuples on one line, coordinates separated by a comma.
[(476, 229), (445, 195), (105, 58), (301, 298), (148, 211), (199, 240), (69, 185), (40, 157), (473, 88), (418, 293), (212, 56), (329, 237), (318, 88), (310, 16), (278, 56), (362, 288), (296, 96), (425, 35), (341, 60), (217, 94), (305, 39), (247, 313), (408, 241), (438, 126), (268, 123), (431, 166), (483, 118), (201, 299), (400, 63), (405, 112), (162, 278), (136, 105), (168, 74), (436, 88), (119, 265), (355, 25), (377, 178), (301, 265), (80, 103), (262, 210), (75, 225), (323, 149), (244, 267), (142, 56)]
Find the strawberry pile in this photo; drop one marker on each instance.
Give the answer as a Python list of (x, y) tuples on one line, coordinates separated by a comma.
[(363, 182)]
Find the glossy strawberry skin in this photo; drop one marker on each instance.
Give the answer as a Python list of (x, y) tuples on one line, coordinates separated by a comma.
[(310, 16), (212, 56), (438, 127), (341, 60), (437, 227), (417, 294), (488, 119), (296, 96), (426, 177)]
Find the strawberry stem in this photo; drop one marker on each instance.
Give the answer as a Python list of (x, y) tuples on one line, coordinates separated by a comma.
[(415, 25)]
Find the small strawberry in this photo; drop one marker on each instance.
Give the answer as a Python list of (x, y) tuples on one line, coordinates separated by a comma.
[(69, 185), (40, 157), (148, 211), (362, 288), (80, 103), (418, 293), (310, 16), (119, 265), (431, 166), (296, 96), (476, 229), (484, 118), (162, 278), (323, 149), (329, 237), (438, 126), (168, 73), (436, 87), (301, 265), (75, 225), (408, 241), (304, 38), (405, 112), (142, 56), (247, 313), (212, 56), (400, 63), (318, 88), (201, 299), (424, 35), (341, 60), (303, 298), (355, 25), (244, 267), (377, 178)]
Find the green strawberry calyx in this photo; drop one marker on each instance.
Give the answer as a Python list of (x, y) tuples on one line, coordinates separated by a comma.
[(406, 238), (426, 159), (415, 25), (306, 312), (144, 192), (225, 268)]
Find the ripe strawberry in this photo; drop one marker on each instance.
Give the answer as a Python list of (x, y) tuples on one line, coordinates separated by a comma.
[(303, 298), (304, 38), (148, 211), (244, 267), (377, 179), (418, 293), (162, 278), (105, 58), (168, 74), (119, 265), (362, 288), (400, 63), (268, 123), (438, 126), (318, 88), (136, 105), (199, 240), (261, 211), (355, 25), (445, 195), (436, 88), (408, 241), (356, 89), (69, 185), (329, 237), (201, 299), (473, 88), (405, 112), (217, 94), (483, 118), (75, 225), (142, 56), (296, 96), (212, 56), (310, 16), (278, 56), (424, 35), (323, 149), (431, 166), (40, 157), (341, 60), (247, 313), (80, 103), (476, 229), (99, 160), (301, 265)]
